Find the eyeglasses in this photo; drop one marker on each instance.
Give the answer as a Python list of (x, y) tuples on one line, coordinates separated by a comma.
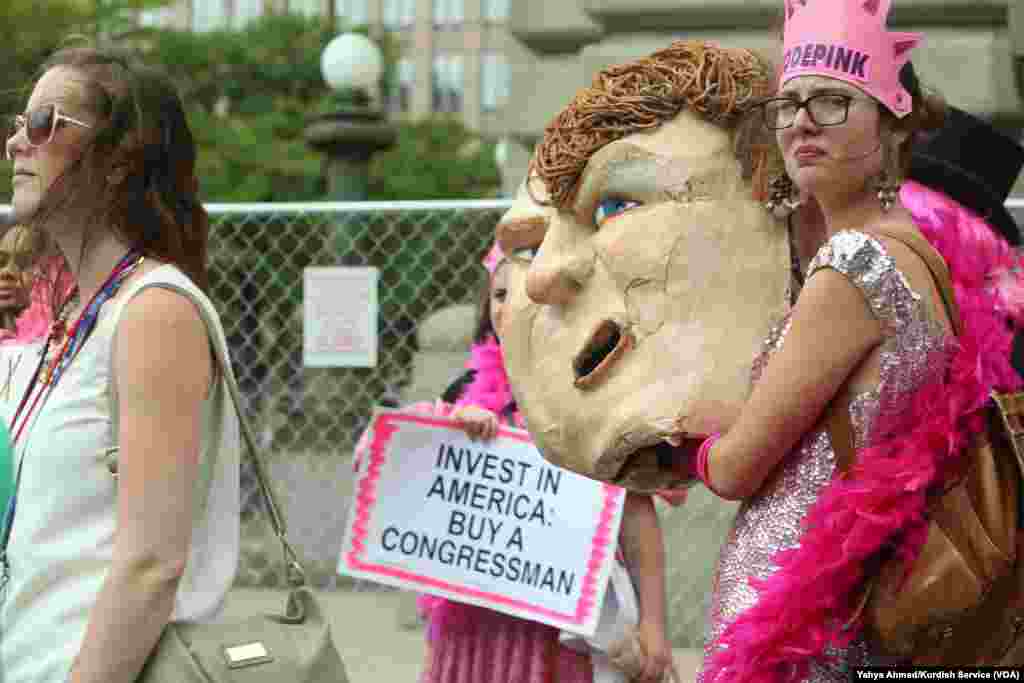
[(40, 125), (826, 109)]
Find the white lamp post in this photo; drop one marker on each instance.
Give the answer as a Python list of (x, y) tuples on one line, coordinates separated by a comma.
[(349, 137)]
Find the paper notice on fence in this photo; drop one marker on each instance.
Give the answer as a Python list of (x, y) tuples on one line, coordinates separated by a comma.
[(339, 321), (492, 524)]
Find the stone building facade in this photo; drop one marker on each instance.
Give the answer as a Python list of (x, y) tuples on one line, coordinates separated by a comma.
[(455, 54), (973, 51)]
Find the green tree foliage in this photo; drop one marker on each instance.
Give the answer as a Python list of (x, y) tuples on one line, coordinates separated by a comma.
[(249, 94), (32, 31), (435, 158), (114, 20)]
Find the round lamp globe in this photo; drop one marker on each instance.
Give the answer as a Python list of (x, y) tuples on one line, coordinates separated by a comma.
[(351, 60)]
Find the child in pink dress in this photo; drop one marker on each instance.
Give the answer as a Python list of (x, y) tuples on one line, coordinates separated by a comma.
[(471, 644)]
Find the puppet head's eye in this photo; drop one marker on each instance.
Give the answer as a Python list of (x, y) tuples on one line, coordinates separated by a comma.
[(611, 207), (525, 253)]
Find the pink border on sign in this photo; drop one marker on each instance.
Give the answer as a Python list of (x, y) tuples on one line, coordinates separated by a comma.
[(366, 496)]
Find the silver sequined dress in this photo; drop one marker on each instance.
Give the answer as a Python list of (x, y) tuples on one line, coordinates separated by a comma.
[(912, 353)]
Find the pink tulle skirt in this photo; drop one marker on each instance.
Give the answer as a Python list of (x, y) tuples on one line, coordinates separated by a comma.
[(470, 644)]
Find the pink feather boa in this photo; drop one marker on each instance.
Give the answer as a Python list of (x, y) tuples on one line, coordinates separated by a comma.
[(777, 639), (490, 388), (34, 322)]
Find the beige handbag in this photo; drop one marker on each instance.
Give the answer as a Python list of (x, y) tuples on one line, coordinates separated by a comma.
[(294, 646)]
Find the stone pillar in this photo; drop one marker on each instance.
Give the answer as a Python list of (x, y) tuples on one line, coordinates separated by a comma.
[(443, 339)]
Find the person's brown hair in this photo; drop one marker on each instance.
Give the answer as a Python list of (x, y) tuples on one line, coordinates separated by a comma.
[(927, 114), (138, 170), (484, 324), (716, 83)]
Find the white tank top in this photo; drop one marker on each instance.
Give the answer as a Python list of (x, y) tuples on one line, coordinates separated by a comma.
[(62, 540)]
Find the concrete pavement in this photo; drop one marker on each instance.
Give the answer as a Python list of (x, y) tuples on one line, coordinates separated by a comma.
[(367, 630)]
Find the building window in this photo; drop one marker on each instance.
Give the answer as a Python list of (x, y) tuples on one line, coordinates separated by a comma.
[(160, 17), (309, 8), (495, 77), (447, 83), (495, 11), (447, 13), (352, 12), (399, 14), (209, 15), (246, 11), (400, 97)]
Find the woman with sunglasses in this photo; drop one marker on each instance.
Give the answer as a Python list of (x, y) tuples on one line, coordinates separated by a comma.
[(125, 513), (868, 337)]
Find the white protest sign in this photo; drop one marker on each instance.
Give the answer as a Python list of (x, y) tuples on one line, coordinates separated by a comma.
[(339, 321), (492, 524)]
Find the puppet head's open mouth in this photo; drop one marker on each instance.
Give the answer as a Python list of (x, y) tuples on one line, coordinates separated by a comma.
[(652, 468), (606, 345)]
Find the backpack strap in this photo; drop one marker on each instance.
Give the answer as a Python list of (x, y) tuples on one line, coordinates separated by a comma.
[(936, 266)]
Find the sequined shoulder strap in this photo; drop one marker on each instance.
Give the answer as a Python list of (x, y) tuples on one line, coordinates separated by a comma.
[(936, 266), (837, 415)]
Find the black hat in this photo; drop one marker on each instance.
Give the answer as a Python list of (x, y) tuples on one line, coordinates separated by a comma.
[(973, 163)]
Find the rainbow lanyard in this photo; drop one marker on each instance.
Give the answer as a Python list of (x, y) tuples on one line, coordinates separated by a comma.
[(74, 340)]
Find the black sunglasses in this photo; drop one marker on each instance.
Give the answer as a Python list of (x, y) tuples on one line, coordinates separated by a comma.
[(825, 109)]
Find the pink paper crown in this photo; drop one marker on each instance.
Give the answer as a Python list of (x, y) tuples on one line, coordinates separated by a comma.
[(493, 258), (848, 40)]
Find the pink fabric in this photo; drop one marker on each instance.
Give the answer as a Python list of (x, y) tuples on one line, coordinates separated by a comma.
[(470, 644), (490, 388), (493, 258), (848, 40), (702, 460), (477, 645), (34, 322), (443, 614), (884, 496)]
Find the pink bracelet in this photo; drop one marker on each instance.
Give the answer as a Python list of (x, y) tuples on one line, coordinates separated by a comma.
[(702, 459)]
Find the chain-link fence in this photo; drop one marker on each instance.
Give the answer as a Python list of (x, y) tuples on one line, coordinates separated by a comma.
[(427, 254), (308, 419)]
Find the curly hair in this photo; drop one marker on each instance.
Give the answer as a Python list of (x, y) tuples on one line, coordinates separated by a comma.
[(716, 83)]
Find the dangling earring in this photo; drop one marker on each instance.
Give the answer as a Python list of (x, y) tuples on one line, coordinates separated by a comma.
[(887, 183), (888, 190), (783, 197)]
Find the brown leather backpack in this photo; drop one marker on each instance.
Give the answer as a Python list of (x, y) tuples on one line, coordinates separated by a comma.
[(963, 602)]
